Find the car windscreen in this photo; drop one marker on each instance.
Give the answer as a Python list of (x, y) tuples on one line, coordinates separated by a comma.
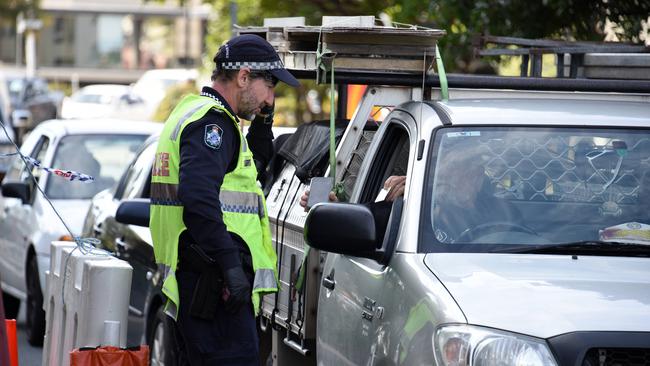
[(103, 156), (494, 188), (93, 98)]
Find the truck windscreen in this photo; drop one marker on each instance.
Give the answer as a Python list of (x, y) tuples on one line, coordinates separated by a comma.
[(489, 187)]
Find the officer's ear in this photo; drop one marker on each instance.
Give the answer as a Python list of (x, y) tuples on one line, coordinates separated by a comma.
[(243, 77)]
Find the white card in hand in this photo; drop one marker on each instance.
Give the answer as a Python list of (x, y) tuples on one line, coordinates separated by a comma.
[(381, 196)]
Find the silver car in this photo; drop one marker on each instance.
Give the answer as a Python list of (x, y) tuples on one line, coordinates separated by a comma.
[(28, 224)]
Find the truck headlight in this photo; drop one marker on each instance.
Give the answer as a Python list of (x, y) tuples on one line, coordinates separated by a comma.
[(466, 345)]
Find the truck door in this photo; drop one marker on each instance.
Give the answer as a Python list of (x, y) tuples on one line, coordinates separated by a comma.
[(349, 314)]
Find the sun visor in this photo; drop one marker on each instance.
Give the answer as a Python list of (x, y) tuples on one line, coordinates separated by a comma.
[(308, 148)]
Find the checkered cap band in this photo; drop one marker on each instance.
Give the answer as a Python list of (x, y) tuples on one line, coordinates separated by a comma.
[(253, 65)]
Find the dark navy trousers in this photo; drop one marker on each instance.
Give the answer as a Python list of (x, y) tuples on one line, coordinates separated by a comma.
[(228, 339)]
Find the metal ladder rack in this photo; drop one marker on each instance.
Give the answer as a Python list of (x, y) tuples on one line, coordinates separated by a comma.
[(532, 50)]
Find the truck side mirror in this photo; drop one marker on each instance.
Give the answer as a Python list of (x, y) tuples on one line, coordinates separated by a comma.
[(20, 190), (133, 212), (342, 228), (21, 118)]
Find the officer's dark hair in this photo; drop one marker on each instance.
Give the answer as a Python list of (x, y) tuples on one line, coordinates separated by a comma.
[(229, 75), (223, 74)]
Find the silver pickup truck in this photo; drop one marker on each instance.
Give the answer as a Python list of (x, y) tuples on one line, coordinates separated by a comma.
[(522, 238)]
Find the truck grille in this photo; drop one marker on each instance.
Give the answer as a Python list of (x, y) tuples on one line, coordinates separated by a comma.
[(617, 357)]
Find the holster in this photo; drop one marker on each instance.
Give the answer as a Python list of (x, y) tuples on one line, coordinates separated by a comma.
[(207, 295), (207, 292)]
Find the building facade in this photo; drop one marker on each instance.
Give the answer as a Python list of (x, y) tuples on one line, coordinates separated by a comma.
[(91, 41)]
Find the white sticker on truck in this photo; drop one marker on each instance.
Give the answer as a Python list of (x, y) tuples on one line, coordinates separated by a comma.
[(464, 133)]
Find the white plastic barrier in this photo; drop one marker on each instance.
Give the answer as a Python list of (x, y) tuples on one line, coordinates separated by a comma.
[(53, 301), (87, 302)]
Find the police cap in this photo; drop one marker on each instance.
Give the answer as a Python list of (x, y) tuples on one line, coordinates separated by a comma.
[(254, 52)]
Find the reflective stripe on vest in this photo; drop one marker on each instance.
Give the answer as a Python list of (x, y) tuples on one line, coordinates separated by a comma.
[(242, 202), (165, 194), (185, 117), (264, 279), (170, 307)]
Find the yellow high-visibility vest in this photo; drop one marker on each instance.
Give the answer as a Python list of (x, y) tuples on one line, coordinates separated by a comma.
[(242, 203)]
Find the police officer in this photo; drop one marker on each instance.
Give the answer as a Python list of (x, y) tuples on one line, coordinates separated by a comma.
[(209, 223)]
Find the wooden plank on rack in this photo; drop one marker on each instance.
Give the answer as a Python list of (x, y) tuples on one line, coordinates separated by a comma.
[(385, 36), (366, 49), (307, 61), (388, 64)]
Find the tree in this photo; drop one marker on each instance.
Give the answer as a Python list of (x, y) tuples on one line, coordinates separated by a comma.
[(9, 9), (581, 20)]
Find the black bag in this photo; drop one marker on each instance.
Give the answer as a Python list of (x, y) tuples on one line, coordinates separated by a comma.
[(308, 148)]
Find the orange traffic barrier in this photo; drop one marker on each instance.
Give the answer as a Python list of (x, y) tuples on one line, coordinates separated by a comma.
[(12, 341), (110, 356)]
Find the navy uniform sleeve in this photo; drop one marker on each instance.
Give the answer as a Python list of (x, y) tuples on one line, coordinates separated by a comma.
[(260, 141), (205, 160)]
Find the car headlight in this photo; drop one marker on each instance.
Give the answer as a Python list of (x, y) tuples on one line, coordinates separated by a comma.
[(466, 345)]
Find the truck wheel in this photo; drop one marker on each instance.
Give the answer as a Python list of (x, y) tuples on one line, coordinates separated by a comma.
[(162, 345), (35, 312), (11, 305)]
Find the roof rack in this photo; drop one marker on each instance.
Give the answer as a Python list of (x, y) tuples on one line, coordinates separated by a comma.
[(353, 47), (600, 60), (378, 55)]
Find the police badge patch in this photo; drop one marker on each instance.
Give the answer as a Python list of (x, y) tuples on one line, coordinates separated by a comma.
[(212, 136)]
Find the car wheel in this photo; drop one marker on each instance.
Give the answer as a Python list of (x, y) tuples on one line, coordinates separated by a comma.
[(162, 346), (11, 305), (35, 312)]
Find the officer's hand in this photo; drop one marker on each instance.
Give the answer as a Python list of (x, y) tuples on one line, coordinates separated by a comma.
[(266, 114), (305, 198), (238, 287)]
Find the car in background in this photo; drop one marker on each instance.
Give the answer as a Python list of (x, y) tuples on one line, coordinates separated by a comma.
[(152, 86), (31, 99), (100, 101), (6, 131), (132, 243), (28, 224)]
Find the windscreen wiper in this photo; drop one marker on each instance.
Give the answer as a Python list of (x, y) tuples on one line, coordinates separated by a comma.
[(585, 247)]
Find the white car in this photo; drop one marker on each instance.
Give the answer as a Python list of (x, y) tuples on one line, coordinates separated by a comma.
[(153, 84), (99, 101), (6, 133), (28, 224)]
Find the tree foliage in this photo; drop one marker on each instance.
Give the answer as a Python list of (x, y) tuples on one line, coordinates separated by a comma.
[(9, 9), (581, 20)]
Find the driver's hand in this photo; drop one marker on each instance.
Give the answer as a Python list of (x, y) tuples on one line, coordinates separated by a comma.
[(395, 185)]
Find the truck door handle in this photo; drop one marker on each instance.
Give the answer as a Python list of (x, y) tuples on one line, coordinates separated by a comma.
[(328, 282)]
